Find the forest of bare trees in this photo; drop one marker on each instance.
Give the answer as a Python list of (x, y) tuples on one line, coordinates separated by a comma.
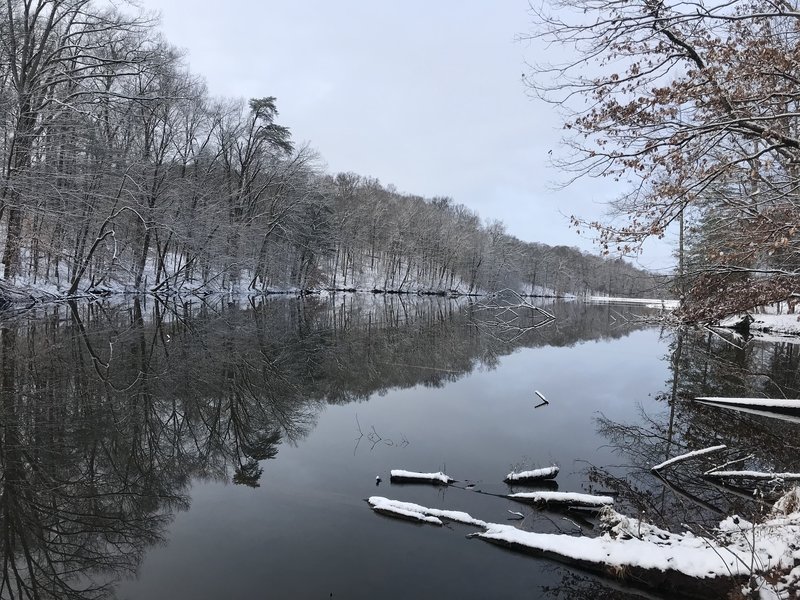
[(121, 172)]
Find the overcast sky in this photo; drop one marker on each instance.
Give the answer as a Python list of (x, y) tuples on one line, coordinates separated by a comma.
[(424, 94)]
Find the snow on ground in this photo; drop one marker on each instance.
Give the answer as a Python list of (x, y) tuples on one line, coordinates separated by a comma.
[(687, 456), (435, 478), (768, 338), (649, 302), (788, 324), (752, 402), (539, 291), (545, 473), (770, 323)]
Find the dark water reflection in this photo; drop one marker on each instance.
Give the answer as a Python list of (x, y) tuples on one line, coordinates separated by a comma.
[(708, 363), (210, 449)]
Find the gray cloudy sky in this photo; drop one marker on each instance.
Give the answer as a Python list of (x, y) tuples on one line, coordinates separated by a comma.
[(424, 94)]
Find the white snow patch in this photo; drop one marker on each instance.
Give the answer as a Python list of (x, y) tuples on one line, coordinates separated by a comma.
[(430, 515), (753, 402), (649, 302), (563, 498), (695, 559), (755, 475), (786, 324), (545, 473), (763, 407)]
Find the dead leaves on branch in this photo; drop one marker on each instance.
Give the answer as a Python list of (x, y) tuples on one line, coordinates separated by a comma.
[(682, 101)]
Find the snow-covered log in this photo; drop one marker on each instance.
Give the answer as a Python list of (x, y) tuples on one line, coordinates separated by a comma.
[(693, 572), (533, 476), (402, 476), (789, 405), (753, 475), (563, 499), (423, 514), (785, 410), (687, 456)]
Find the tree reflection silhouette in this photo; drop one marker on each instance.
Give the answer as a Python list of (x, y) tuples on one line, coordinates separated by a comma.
[(704, 363), (108, 412)]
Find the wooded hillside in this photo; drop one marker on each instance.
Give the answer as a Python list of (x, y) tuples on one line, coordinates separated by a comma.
[(121, 171)]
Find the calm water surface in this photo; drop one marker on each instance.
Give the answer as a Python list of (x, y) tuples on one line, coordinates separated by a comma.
[(213, 449)]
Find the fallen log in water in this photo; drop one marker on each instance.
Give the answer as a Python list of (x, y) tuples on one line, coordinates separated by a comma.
[(563, 499), (595, 559), (392, 509), (411, 511), (533, 476), (758, 475), (783, 409), (402, 476)]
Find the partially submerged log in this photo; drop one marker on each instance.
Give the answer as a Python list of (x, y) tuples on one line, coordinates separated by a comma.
[(757, 475), (669, 582), (398, 510), (533, 476), (563, 499), (783, 409), (416, 512), (710, 565), (739, 323), (402, 476), (659, 561)]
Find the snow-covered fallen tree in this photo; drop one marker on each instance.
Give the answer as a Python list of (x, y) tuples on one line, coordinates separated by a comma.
[(402, 476), (702, 566), (409, 510), (532, 476), (783, 409), (758, 475), (563, 499)]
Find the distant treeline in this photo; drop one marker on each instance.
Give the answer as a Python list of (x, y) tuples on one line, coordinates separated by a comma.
[(119, 170)]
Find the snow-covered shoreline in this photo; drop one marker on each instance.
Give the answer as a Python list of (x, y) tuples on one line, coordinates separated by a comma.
[(786, 324), (649, 302), (25, 292)]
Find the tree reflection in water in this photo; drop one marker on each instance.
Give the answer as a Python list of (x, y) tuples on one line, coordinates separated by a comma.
[(109, 412), (706, 363)]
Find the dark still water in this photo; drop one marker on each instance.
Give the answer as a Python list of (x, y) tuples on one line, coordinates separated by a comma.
[(218, 450)]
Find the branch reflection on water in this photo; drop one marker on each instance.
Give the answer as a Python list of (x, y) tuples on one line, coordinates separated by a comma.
[(107, 413), (703, 363)]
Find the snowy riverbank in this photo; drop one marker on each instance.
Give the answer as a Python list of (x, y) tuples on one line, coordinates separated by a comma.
[(784, 324)]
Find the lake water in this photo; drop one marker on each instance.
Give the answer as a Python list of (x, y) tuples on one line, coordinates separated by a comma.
[(209, 449)]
